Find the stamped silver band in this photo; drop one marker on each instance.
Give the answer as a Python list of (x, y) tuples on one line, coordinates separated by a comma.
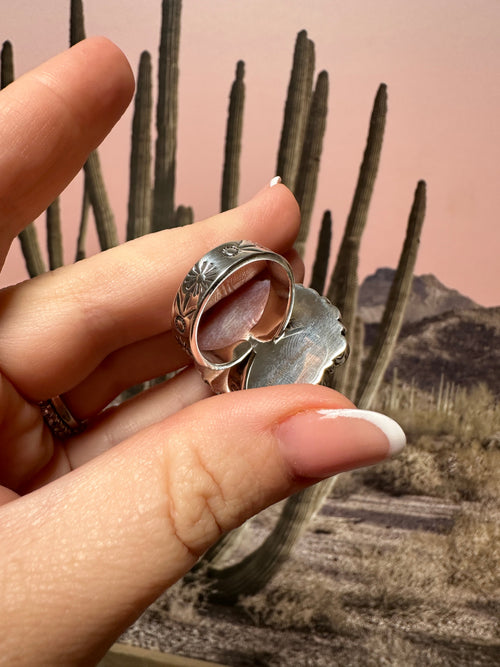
[(218, 275)]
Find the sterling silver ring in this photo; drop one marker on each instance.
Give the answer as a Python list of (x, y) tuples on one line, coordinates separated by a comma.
[(204, 320), (239, 314), (59, 419)]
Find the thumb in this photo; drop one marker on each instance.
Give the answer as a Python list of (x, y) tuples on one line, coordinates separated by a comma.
[(104, 541)]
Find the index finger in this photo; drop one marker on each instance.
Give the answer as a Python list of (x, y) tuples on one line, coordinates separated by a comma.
[(50, 120)]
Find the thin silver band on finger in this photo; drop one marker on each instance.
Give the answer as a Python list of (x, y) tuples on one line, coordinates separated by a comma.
[(218, 273), (59, 419)]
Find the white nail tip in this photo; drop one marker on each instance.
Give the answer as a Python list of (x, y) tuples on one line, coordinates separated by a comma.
[(391, 429), (275, 181)]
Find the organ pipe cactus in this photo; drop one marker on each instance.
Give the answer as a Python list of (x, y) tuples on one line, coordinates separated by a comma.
[(231, 172), (296, 110), (28, 236), (307, 177), (166, 116), (139, 201), (253, 572)]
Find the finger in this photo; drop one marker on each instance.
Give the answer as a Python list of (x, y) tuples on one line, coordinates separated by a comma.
[(80, 314), (25, 445), (30, 457), (135, 363), (121, 422), (50, 120), (119, 530)]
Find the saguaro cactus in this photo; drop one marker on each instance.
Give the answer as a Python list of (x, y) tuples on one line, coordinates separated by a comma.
[(166, 116), (27, 237), (231, 172), (307, 177), (296, 110), (139, 201), (392, 319)]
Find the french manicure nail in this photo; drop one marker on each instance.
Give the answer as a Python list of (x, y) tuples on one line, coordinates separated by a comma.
[(275, 181), (321, 443)]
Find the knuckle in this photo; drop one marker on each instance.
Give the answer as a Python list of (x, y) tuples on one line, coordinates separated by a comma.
[(197, 508)]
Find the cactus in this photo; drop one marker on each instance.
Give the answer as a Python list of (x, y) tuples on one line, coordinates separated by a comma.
[(76, 22), (252, 573), (82, 230), (166, 116), (231, 173), (343, 289), (392, 319), (54, 236), (320, 266), (307, 177), (28, 236), (356, 347), (104, 219), (184, 216), (139, 201), (296, 110)]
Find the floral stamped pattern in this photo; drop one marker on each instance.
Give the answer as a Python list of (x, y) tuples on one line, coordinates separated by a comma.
[(198, 280)]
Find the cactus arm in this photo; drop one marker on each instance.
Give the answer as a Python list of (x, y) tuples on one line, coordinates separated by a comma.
[(320, 267), (139, 202), (343, 289), (231, 172), (54, 235), (76, 22), (184, 216), (166, 116), (297, 105), (104, 219), (82, 230), (307, 177), (392, 319)]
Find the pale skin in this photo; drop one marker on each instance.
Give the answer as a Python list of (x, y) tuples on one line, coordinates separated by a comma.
[(94, 528)]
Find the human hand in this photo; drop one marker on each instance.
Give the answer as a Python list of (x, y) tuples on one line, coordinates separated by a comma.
[(95, 527)]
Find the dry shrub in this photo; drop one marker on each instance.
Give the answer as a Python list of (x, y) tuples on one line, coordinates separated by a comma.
[(412, 472), (310, 602), (412, 575), (470, 415), (474, 552), (439, 467), (472, 472)]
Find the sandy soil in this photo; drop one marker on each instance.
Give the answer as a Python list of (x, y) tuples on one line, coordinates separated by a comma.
[(364, 587)]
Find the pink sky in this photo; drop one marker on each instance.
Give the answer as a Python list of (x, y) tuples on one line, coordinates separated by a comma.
[(439, 58)]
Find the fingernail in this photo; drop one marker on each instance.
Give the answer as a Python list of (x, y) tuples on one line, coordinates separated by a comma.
[(275, 181), (321, 443)]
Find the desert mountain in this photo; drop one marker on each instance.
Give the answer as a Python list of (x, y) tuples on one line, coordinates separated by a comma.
[(464, 346), (429, 297)]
